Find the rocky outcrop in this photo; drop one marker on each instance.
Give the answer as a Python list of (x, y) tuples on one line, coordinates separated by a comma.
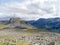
[(19, 24)]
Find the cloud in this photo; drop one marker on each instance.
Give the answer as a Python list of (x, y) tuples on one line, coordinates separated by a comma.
[(29, 9)]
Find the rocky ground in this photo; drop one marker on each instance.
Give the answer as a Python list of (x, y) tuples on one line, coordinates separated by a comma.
[(28, 38)]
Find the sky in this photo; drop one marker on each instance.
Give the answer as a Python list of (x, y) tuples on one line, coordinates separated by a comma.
[(30, 9)]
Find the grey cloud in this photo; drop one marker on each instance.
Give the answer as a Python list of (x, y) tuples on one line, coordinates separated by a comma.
[(46, 7), (32, 9)]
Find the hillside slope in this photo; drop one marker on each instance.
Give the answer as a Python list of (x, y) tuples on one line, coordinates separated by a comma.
[(17, 23), (51, 24)]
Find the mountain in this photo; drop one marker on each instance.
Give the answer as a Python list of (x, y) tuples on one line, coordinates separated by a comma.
[(18, 23), (51, 24)]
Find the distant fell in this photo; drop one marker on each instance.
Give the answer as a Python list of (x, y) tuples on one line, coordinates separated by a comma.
[(19, 24)]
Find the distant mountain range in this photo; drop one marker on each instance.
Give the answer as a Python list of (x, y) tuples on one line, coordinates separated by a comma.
[(50, 24), (19, 23), (16, 23)]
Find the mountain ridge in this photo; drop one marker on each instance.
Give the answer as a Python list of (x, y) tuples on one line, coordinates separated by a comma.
[(17, 23), (51, 24)]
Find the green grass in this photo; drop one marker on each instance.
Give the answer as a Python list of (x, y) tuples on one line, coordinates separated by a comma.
[(3, 43), (21, 42), (2, 26)]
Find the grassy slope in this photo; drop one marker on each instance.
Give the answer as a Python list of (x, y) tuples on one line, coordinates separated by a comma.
[(2, 26), (10, 38)]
